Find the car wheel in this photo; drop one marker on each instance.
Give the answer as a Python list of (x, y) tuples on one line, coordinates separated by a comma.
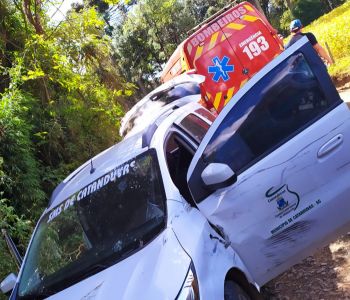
[(233, 291)]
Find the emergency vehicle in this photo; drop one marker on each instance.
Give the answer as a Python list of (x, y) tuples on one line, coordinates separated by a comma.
[(228, 49)]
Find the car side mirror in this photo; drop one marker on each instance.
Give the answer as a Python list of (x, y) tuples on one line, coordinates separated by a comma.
[(8, 283), (216, 176)]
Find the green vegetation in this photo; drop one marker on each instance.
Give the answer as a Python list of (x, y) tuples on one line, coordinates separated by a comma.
[(333, 29), (61, 100), (150, 33)]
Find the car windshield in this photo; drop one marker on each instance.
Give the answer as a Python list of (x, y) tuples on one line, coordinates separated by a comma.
[(102, 223)]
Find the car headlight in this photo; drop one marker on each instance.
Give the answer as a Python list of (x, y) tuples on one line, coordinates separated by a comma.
[(190, 289)]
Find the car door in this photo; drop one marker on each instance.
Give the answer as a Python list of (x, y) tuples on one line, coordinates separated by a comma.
[(273, 171)]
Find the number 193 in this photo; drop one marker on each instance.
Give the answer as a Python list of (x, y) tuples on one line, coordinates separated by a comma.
[(255, 48)]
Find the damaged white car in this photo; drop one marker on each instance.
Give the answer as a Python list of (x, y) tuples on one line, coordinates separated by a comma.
[(185, 210)]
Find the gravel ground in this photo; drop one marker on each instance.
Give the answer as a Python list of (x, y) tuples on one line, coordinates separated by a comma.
[(324, 275), (344, 92)]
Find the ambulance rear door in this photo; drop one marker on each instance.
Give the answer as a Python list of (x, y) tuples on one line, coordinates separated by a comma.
[(252, 41), (217, 61), (229, 50)]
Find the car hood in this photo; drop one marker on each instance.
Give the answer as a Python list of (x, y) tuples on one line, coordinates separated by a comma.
[(155, 272)]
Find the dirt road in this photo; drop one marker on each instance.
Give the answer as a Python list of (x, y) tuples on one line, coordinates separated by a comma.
[(325, 275), (345, 95)]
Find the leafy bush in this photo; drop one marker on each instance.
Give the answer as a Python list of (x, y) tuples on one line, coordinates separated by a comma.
[(61, 99), (19, 229), (20, 180), (285, 21)]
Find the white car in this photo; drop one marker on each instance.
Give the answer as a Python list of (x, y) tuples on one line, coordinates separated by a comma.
[(185, 210), (176, 92)]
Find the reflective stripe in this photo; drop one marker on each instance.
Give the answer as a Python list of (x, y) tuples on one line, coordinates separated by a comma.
[(213, 40), (217, 100), (248, 7), (225, 36), (243, 82), (184, 63), (249, 18), (229, 94), (235, 26), (198, 52)]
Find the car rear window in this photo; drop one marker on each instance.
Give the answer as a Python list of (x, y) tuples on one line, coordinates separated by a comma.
[(195, 127)]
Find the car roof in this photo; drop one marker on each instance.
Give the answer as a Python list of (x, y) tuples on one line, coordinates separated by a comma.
[(156, 108)]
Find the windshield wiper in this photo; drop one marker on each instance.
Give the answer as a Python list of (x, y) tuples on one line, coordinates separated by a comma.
[(93, 269), (44, 292), (37, 296)]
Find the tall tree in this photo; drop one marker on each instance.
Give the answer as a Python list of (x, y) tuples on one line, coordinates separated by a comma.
[(151, 32), (61, 100), (33, 11)]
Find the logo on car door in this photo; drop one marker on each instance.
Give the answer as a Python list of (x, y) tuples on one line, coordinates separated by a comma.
[(283, 199)]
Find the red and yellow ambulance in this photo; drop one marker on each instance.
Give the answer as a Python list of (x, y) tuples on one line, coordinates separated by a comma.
[(228, 49)]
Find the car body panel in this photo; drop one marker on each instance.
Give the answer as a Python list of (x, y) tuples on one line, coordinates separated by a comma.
[(291, 200), (207, 249), (129, 279)]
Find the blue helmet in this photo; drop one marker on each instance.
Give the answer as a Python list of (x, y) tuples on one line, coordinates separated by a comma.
[(295, 25)]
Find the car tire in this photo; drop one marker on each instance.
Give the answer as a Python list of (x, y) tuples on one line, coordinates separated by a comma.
[(233, 291)]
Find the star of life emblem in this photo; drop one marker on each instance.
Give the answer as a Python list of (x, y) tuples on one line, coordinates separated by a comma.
[(221, 68)]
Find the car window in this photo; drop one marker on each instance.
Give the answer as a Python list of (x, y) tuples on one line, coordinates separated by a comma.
[(206, 114), (283, 103), (179, 154), (195, 127)]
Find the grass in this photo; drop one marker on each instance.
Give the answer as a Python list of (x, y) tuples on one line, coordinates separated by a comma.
[(340, 71), (334, 29)]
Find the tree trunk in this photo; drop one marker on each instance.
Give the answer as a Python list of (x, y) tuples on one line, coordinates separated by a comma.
[(257, 5), (33, 16), (290, 7)]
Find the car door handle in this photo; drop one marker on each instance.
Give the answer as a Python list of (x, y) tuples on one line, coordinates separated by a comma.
[(330, 146)]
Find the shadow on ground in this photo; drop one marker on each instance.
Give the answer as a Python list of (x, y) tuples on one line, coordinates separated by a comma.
[(321, 276)]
